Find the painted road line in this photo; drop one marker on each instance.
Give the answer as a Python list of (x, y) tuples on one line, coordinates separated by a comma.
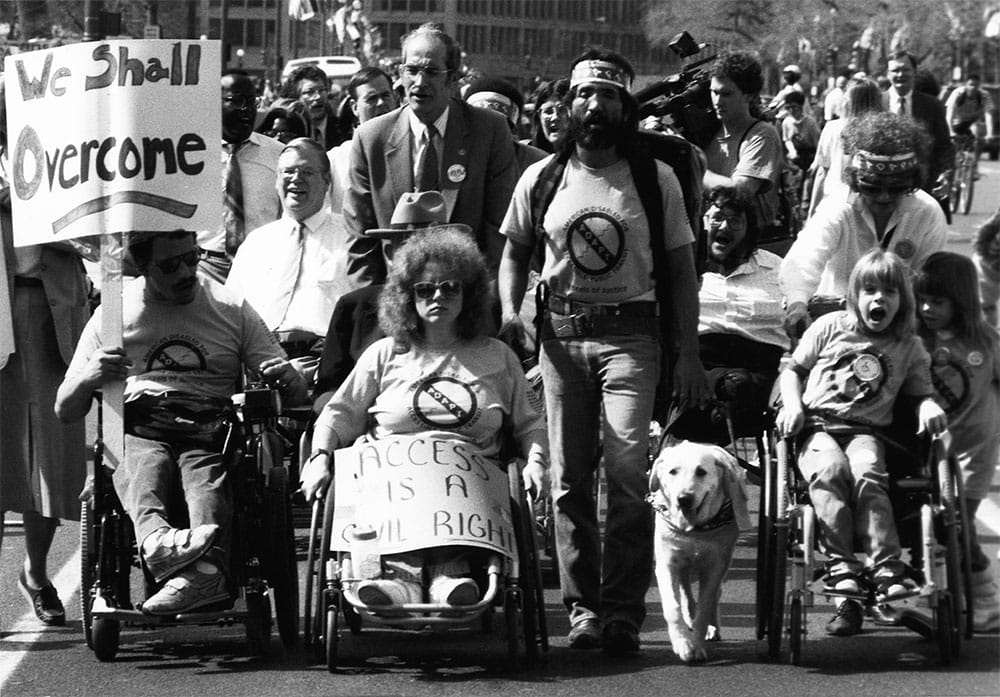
[(28, 630)]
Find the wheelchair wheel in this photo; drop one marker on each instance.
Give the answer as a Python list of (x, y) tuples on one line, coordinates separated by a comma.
[(321, 591), (513, 615), (106, 636), (283, 572), (311, 574), (86, 573), (764, 545), (948, 474), (779, 551), (258, 622), (332, 635), (796, 629), (529, 573), (943, 628)]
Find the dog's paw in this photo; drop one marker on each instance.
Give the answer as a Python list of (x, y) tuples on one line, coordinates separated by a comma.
[(689, 650)]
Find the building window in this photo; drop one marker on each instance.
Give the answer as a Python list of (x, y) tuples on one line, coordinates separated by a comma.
[(214, 27)]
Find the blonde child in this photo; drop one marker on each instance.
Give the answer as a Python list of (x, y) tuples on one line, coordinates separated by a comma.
[(855, 363), (965, 370)]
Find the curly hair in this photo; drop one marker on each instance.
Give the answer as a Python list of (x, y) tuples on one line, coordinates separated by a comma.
[(458, 255), (743, 68), (731, 197), (885, 270), (986, 234), (884, 133)]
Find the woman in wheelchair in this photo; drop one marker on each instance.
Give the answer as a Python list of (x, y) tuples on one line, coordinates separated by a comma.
[(434, 373), (855, 364), (185, 344), (741, 336)]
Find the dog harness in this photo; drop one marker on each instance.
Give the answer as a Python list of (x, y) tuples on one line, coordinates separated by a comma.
[(724, 517)]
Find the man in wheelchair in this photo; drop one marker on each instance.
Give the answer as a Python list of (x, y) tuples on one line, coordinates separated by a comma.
[(741, 335), (185, 345)]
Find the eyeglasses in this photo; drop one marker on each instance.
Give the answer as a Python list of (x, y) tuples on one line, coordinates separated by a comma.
[(241, 101), (427, 71), (425, 290), (875, 189), (310, 94), (290, 172), (717, 219), (190, 259)]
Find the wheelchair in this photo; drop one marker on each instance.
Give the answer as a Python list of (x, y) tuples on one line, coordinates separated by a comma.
[(262, 563), (925, 489), (512, 584)]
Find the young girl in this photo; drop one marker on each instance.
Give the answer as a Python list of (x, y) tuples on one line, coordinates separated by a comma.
[(965, 370), (855, 364)]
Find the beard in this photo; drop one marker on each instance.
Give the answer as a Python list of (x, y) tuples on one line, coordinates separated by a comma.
[(595, 132)]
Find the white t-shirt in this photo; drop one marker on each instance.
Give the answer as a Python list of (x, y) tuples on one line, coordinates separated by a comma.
[(597, 247)]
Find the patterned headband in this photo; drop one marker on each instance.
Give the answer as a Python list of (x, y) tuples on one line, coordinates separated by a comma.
[(870, 163), (601, 72), (495, 101)]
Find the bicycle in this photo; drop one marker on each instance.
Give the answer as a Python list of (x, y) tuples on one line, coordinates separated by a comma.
[(963, 176)]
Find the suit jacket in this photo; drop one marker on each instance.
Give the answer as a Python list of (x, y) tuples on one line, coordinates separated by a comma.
[(929, 112), (478, 173), (353, 328)]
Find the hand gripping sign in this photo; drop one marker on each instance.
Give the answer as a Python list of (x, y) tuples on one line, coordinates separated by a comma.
[(420, 492), (111, 137)]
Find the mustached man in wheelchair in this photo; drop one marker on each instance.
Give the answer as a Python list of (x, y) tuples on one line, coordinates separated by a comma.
[(855, 364), (186, 342)]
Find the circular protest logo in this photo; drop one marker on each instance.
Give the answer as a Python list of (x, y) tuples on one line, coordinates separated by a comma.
[(444, 402), (867, 368), (177, 356), (596, 243), (858, 377), (905, 249)]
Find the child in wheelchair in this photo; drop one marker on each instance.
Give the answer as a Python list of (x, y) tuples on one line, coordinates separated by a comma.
[(185, 344), (855, 364), (965, 370)]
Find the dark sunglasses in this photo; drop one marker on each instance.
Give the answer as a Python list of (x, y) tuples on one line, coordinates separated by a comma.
[(190, 259), (425, 290), (876, 189)]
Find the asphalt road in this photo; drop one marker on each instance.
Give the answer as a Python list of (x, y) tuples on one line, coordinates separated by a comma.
[(214, 661)]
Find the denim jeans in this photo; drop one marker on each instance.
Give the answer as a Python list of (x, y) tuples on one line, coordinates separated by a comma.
[(848, 487), (585, 379), (155, 476)]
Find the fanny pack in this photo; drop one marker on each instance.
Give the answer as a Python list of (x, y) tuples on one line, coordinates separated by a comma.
[(172, 416)]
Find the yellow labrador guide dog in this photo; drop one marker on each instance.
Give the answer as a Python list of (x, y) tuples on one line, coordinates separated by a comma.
[(698, 492)]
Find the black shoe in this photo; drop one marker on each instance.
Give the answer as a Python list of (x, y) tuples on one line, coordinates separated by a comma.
[(585, 634), (847, 621), (44, 601), (620, 638)]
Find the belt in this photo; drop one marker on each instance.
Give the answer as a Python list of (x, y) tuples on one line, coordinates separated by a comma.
[(641, 308), (27, 281)]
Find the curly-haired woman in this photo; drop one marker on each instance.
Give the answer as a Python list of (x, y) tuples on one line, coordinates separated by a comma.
[(885, 164), (433, 310)]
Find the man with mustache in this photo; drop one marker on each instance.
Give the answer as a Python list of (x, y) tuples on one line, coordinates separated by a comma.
[(186, 342), (249, 162), (618, 263)]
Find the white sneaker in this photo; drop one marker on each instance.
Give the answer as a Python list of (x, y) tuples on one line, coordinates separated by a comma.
[(168, 550), (383, 591), (985, 614), (454, 591), (194, 587)]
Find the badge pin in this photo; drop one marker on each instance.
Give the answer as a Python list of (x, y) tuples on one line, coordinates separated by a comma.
[(975, 358), (456, 174), (867, 368)]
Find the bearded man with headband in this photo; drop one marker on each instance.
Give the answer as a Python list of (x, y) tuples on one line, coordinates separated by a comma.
[(885, 207), (618, 262)]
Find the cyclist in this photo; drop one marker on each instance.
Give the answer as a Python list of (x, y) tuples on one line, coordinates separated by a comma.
[(966, 106)]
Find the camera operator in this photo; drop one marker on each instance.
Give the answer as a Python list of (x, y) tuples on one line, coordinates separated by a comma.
[(746, 151)]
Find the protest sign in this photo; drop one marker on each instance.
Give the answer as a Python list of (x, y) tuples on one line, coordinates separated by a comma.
[(420, 492), (114, 136)]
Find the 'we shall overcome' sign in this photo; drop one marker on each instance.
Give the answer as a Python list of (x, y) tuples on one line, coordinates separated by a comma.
[(114, 136)]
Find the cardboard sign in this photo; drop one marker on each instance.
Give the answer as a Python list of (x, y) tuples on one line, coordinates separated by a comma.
[(114, 136), (421, 492)]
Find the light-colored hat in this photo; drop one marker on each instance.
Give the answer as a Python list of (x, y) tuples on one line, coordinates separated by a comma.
[(416, 210), (792, 69)]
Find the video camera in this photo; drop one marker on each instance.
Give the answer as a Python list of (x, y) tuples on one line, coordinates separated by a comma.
[(684, 96)]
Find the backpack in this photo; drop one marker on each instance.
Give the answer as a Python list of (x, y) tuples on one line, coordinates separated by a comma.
[(789, 216)]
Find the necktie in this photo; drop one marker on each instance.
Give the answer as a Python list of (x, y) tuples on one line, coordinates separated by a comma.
[(290, 274), (902, 106), (233, 215), (427, 162)]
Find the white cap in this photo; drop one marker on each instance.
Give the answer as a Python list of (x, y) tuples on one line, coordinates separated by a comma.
[(792, 69)]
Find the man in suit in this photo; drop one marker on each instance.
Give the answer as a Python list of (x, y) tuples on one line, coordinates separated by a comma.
[(901, 98), (311, 87), (397, 153)]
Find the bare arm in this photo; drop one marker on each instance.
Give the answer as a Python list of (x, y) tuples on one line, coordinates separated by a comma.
[(747, 185), (791, 417), (511, 284), (74, 395), (689, 376)]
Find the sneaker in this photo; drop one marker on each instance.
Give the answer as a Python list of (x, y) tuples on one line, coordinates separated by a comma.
[(891, 584), (847, 620), (200, 585), (585, 634), (845, 584), (884, 615), (985, 615), (168, 550), (44, 601), (454, 591), (382, 591), (619, 638)]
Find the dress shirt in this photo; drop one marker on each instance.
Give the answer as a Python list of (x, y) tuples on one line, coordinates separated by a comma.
[(293, 287), (746, 302), (893, 97), (258, 160), (841, 231), (417, 128)]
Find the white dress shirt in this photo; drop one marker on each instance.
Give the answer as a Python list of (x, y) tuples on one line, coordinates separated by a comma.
[(293, 283), (417, 128)]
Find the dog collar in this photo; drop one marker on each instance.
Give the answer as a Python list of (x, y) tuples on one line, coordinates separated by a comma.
[(724, 517)]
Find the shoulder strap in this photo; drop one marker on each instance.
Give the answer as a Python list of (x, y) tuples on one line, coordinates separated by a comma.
[(544, 188)]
